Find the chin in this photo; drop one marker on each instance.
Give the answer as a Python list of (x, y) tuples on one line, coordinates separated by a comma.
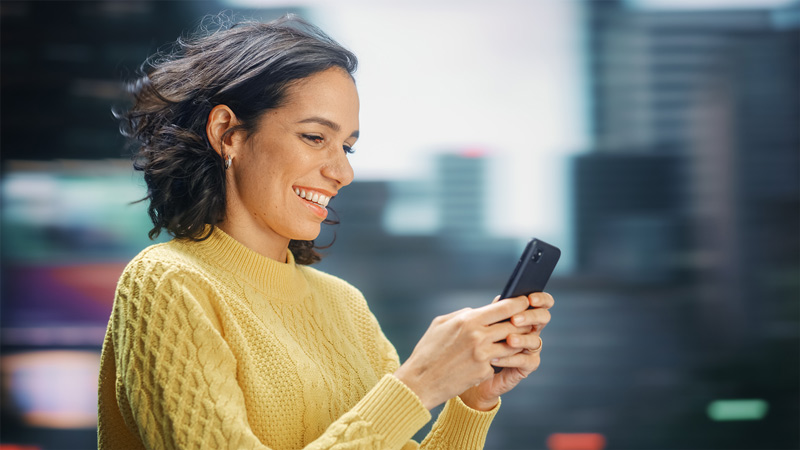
[(307, 234)]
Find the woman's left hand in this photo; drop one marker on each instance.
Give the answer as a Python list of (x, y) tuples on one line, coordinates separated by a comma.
[(485, 395)]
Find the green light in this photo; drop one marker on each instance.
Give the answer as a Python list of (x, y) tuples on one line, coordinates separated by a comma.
[(724, 410)]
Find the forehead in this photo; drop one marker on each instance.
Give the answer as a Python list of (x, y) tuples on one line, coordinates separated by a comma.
[(332, 91)]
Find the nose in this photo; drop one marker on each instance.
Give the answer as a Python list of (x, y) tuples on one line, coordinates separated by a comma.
[(339, 169)]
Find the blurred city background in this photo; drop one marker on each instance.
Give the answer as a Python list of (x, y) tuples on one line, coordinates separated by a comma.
[(656, 142)]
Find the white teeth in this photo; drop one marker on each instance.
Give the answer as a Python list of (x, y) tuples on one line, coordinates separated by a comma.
[(315, 197)]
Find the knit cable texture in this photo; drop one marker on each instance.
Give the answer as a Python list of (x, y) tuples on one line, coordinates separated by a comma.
[(211, 346)]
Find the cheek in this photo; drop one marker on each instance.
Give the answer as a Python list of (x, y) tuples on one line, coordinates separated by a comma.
[(268, 171), (253, 186), (265, 185)]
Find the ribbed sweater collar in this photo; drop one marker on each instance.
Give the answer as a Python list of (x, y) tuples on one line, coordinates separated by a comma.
[(276, 279)]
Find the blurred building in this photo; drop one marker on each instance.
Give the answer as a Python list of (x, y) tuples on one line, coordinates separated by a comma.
[(629, 216), (696, 168), (461, 194)]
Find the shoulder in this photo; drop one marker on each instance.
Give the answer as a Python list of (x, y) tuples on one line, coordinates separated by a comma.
[(158, 266), (172, 256), (166, 279), (174, 252)]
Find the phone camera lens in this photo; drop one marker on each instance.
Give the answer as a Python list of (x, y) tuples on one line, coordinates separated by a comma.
[(537, 255)]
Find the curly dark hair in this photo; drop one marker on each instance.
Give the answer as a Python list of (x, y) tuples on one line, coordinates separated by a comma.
[(247, 66)]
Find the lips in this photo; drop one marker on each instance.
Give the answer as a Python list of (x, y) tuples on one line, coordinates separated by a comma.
[(313, 197)]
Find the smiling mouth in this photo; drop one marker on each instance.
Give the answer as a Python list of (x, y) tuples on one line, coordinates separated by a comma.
[(313, 197)]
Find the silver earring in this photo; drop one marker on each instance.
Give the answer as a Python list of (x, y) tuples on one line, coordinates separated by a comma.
[(228, 162)]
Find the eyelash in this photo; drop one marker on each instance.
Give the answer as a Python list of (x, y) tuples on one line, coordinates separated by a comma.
[(313, 138), (318, 140)]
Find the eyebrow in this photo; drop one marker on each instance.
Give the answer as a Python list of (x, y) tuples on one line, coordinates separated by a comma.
[(327, 123)]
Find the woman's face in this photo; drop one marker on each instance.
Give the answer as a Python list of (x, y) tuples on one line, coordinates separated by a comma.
[(283, 176)]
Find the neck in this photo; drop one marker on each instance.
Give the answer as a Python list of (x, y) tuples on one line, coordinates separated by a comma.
[(266, 244)]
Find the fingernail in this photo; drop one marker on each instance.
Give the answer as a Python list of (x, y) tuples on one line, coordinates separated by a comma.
[(495, 360), (519, 319), (513, 341)]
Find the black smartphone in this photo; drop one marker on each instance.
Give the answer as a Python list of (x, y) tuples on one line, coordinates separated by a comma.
[(532, 271)]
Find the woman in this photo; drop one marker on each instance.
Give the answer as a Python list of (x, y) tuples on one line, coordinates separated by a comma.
[(224, 337)]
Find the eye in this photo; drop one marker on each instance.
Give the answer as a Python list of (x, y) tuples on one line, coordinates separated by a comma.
[(313, 138), (348, 149)]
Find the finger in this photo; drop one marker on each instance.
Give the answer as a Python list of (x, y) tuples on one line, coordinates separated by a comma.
[(527, 362), (541, 300), (499, 351), (538, 317), (530, 341), (501, 330), (496, 299), (502, 310)]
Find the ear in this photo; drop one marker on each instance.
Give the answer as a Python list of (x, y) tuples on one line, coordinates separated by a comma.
[(220, 120)]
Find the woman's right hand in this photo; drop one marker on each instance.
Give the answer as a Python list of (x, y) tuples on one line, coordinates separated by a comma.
[(456, 351)]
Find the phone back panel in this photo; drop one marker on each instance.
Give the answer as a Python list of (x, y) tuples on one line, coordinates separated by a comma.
[(533, 269)]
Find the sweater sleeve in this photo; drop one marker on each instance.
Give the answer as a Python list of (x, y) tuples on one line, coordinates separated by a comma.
[(176, 385), (458, 426)]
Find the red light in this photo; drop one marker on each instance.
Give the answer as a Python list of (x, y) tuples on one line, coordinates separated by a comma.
[(474, 152), (576, 441)]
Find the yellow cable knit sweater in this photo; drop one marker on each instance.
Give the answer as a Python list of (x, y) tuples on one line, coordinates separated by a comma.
[(213, 346)]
